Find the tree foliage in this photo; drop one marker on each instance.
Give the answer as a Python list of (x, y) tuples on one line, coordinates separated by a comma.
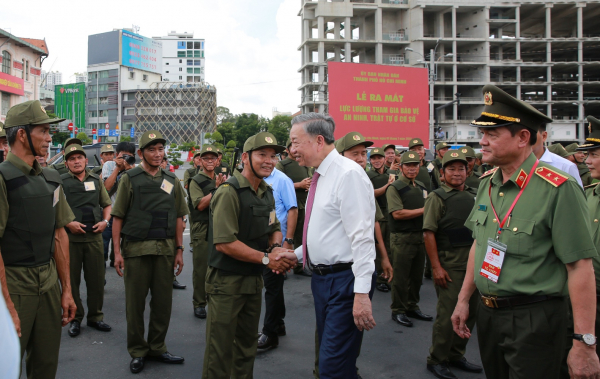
[(84, 138)]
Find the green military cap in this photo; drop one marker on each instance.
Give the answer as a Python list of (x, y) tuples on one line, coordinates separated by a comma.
[(74, 149), (479, 155), (288, 143), (108, 148), (377, 151), (219, 151), (151, 137), (71, 141), (197, 152), (467, 151), (415, 142), (440, 146), (260, 140), (558, 149), (2, 131), (28, 113), (208, 149), (501, 109), (387, 146), (593, 140), (337, 145), (453, 156), (410, 157), (572, 148), (350, 140)]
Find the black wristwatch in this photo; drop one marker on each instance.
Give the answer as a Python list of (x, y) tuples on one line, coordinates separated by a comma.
[(588, 339), (179, 248), (289, 240)]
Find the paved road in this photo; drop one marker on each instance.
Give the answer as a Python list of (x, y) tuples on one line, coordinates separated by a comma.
[(388, 351)]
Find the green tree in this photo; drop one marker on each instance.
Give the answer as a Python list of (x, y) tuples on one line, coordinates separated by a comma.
[(60, 138), (125, 139), (280, 127), (84, 138), (224, 115), (216, 137), (248, 125), (227, 130)]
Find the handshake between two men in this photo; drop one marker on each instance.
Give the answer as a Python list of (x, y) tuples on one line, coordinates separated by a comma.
[(281, 260)]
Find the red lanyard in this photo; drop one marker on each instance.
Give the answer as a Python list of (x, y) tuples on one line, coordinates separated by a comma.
[(501, 224)]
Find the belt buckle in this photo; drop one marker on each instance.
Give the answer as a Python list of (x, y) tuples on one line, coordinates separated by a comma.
[(489, 301)]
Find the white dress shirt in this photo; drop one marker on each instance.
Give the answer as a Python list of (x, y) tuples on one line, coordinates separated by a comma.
[(342, 221), (561, 164)]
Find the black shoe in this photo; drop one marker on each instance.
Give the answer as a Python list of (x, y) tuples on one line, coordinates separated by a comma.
[(178, 286), (281, 330), (100, 325), (112, 264), (200, 312), (402, 319), (265, 342), (382, 287), (419, 315), (465, 365), (74, 329), (427, 275), (166, 357), (136, 365), (441, 371)]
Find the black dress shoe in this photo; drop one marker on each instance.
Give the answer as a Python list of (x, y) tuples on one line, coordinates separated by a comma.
[(427, 275), (112, 264), (382, 287), (178, 286), (74, 329), (200, 312), (419, 315), (100, 325), (265, 342), (166, 357), (465, 365), (441, 371), (136, 365), (402, 319), (281, 330)]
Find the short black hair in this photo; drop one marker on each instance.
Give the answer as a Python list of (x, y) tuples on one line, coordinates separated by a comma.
[(126, 147), (11, 133), (515, 128)]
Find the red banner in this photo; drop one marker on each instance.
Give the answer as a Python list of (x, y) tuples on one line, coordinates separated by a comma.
[(387, 104), (11, 84), (35, 71)]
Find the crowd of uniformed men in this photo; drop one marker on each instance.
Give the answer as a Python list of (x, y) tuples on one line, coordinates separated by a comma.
[(505, 237)]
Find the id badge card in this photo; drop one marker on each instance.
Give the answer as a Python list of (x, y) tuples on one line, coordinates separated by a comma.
[(272, 217), (55, 196), (430, 167), (166, 186), (89, 186), (492, 263)]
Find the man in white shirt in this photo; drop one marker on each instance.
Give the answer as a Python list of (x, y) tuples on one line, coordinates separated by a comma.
[(338, 244), (544, 155)]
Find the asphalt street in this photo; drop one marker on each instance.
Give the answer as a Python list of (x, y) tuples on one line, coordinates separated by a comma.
[(388, 351)]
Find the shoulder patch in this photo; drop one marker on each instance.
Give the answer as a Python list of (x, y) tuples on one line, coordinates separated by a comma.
[(551, 176), (488, 173), (593, 185)]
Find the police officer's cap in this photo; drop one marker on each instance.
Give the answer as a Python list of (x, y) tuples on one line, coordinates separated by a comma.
[(288, 143), (73, 141), (501, 109), (219, 151), (28, 113), (410, 157), (441, 145), (150, 138), (593, 140), (74, 149), (108, 148), (261, 140), (467, 151), (479, 155), (558, 149), (377, 151), (208, 149), (2, 131), (572, 148), (454, 156), (351, 140), (387, 146), (415, 142)]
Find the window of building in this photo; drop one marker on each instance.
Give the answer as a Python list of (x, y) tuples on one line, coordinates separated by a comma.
[(190, 45), (181, 61), (102, 87), (103, 100), (92, 114), (568, 132), (181, 54), (103, 74), (180, 44), (202, 53), (187, 110), (131, 75), (92, 101), (202, 45), (6, 62), (197, 79), (166, 72), (145, 77), (27, 70), (197, 53), (197, 71), (180, 78), (190, 70), (190, 62), (103, 113), (189, 79), (180, 68), (168, 111), (127, 126), (23, 69), (92, 126), (128, 96), (167, 63), (197, 45), (147, 111), (190, 53), (129, 111), (92, 88), (197, 62), (471, 133), (92, 76)]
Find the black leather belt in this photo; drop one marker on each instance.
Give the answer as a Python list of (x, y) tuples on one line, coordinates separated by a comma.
[(330, 269), (512, 301)]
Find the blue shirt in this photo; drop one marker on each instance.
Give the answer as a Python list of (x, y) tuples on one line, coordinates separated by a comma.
[(285, 197)]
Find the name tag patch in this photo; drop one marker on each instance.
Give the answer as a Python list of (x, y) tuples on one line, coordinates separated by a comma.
[(166, 186), (272, 217), (89, 186), (55, 197)]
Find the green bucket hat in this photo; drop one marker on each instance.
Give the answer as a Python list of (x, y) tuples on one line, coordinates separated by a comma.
[(387, 146), (151, 137), (260, 140), (410, 157), (108, 148), (558, 149), (415, 142), (454, 156), (2, 131), (501, 109), (440, 146), (74, 149), (593, 140), (467, 151), (377, 151), (350, 140), (208, 149), (28, 113)]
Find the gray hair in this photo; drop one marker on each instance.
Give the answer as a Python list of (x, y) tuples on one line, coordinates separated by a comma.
[(317, 124), (11, 133)]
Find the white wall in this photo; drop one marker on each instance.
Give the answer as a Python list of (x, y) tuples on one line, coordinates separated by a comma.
[(137, 81)]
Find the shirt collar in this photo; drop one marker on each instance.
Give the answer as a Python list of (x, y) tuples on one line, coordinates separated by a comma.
[(597, 190), (547, 156), (159, 173), (519, 177), (24, 167), (243, 182), (324, 166), (404, 179), (87, 174)]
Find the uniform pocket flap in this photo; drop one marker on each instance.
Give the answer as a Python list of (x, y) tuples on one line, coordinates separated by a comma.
[(519, 225), (261, 211), (478, 218)]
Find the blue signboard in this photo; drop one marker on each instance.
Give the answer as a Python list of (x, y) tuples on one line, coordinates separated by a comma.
[(113, 133), (141, 52), (101, 132), (132, 133)]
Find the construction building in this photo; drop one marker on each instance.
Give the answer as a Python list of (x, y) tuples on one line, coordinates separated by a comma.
[(544, 52)]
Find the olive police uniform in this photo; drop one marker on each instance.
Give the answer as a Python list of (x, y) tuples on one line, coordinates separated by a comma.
[(192, 171), (584, 172), (223, 167), (472, 176), (61, 167), (149, 206), (234, 288), (406, 240), (108, 148), (86, 199), (446, 211), (525, 340), (437, 164), (424, 169), (200, 186), (27, 246)]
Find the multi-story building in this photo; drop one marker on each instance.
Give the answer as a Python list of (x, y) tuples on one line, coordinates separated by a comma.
[(81, 77), (21, 66), (543, 52), (51, 79), (182, 57)]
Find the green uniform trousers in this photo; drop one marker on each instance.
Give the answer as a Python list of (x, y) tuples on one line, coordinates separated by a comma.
[(200, 262), (409, 263), (385, 233), (298, 234), (446, 345), (145, 273), (41, 324), (527, 341), (90, 257), (234, 303)]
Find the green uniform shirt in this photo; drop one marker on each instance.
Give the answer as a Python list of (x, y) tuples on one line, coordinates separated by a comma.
[(104, 202), (546, 232), (196, 195), (187, 175), (393, 197), (225, 207), (593, 202), (31, 280), (434, 210), (124, 201), (379, 216)]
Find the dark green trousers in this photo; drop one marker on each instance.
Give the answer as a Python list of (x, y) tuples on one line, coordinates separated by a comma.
[(385, 233), (409, 263), (527, 341), (145, 273), (200, 262), (445, 344), (88, 256), (234, 303)]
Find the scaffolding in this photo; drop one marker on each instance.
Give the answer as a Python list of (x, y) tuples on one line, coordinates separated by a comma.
[(181, 111)]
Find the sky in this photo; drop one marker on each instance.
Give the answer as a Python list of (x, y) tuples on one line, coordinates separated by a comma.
[(251, 48)]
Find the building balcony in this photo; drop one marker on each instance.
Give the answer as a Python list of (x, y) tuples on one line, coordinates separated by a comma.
[(395, 59), (395, 36), (395, 2)]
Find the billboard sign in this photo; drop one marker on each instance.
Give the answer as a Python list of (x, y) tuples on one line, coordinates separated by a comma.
[(12, 84), (386, 104), (69, 103), (141, 52)]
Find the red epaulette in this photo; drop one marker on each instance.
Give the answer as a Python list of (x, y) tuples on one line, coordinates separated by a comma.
[(551, 176), (488, 173)]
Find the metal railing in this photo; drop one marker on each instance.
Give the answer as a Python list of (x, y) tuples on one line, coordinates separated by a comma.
[(394, 1), (395, 36), (395, 59), (495, 16), (502, 57)]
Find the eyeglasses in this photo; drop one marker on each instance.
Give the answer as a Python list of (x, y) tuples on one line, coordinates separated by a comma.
[(209, 159)]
